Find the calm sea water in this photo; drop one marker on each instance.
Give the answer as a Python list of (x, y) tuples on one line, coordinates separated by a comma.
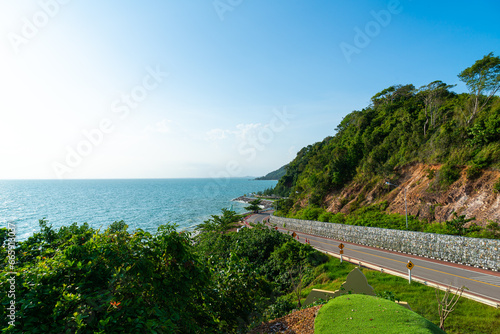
[(142, 204)]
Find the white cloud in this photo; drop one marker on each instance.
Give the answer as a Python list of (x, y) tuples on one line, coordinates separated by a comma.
[(163, 126), (217, 134), (242, 132)]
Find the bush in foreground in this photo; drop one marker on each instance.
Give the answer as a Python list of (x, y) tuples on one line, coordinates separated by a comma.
[(81, 280)]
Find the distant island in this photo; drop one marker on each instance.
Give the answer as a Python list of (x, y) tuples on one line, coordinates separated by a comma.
[(275, 175)]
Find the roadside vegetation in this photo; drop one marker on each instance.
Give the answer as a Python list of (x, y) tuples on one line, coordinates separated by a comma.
[(468, 317), (78, 280)]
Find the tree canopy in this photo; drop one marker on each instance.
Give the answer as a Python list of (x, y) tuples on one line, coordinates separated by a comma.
[(254, 206), (482, 80), (81, 280)]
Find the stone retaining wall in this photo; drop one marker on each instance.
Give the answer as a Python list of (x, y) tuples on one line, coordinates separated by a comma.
[(483, 253)]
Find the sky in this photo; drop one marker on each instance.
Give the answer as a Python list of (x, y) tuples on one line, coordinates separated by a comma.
[(201, 88)]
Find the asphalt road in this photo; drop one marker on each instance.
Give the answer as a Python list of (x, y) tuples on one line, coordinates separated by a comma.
[(483, 285)]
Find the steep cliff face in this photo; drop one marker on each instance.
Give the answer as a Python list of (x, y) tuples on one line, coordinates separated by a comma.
[(425, 198)]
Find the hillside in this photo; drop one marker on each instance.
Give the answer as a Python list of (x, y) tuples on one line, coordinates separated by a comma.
[(443, 147), (472, 198)]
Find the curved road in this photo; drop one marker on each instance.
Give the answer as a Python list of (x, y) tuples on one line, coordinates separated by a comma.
[(483, 285)]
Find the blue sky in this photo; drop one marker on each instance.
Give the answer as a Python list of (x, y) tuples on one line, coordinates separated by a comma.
[(161, 89)]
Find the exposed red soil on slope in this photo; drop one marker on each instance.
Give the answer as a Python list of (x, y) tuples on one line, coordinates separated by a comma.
[(425, 199)]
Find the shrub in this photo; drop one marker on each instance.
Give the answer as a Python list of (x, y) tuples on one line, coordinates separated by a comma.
[(82, 280), (496, 186), (338, 218), (474, 171), (383, 205), (492, 230), (448, 174), (325, 217), (280, 308), (389, 295), (3, 235), (457, 226), (117, 226), (311, 213), (343, 201), (436, 227)]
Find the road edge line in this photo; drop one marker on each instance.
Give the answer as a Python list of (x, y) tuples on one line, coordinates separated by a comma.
[(402, 275)]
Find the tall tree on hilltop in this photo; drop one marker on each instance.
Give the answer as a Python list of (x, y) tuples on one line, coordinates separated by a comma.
[(432, 95), (483, 81), (392, 94)]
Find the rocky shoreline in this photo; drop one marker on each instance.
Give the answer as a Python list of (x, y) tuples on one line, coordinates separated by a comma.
[(264, 204)]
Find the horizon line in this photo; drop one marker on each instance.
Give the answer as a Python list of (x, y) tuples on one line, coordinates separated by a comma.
[(136, 178)]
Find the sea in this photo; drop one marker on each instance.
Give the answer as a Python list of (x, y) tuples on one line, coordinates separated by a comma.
[(141, 203)]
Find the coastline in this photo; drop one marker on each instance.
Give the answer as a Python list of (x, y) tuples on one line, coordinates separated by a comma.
[(144, 204), (264, 204)]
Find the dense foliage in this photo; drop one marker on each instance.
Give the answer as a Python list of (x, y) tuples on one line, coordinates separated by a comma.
[(81, 280), (253, 269), (404, 125)]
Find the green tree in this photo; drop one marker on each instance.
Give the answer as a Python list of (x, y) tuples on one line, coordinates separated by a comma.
[(433, 94), (242, 293), (254, 206), (219, 223), (457, 226), (483, 81)]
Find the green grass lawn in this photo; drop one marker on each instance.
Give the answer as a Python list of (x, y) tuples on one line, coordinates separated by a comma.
[(353, 314), (469, 317)]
